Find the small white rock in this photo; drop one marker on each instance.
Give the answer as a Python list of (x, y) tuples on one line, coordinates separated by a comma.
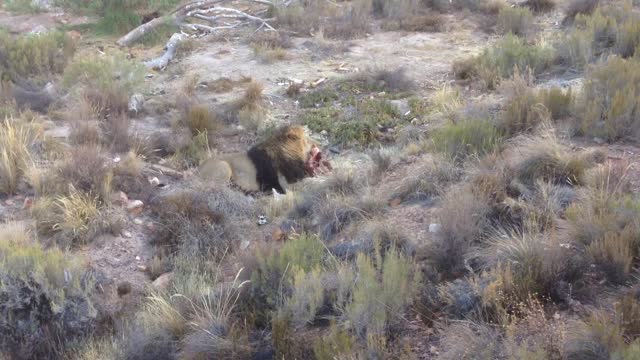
[(127, 234), (137, 258), (138, 221), (434, 228), (154, 181), (116, 159)]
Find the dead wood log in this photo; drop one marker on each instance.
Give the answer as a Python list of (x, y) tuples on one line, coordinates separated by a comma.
[(170, 52)]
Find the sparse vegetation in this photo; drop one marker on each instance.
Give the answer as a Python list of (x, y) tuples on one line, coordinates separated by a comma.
[(515, 20), (469, 137), (34, 55), (107, 82)]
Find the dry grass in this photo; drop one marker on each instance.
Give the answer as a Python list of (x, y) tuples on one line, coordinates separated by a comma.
[(515, 20), (429, 181), (540, 5), (523, 111), (576, 7), (16, 139)]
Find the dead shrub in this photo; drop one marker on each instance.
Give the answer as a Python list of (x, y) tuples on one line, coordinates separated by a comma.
[(559, 102), (16, 140), (468, 340), (249, 110), (85, 133)]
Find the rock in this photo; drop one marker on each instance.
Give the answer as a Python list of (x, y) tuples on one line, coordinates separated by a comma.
[(395, 202), (135, 206), (402, 106), (163, 281), (598, 140), (136, 103), (127, 234), (9, 202), (434, 228), (154, 181), (138, 258), (244, 245), (138, 221), (40, 29), (278, 235), (120, 199), (124, 288), (28, 202), (150, 225), (142, 268)]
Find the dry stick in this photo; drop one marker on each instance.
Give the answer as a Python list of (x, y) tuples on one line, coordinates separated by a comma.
[(168, 55)]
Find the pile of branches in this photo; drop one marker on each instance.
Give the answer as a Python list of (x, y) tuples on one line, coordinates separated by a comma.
[(206, 16)]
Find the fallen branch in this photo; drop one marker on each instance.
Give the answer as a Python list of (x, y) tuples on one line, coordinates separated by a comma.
[(195, 10), (169, 54)]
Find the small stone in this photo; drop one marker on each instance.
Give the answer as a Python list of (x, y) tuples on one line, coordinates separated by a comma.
[(135, 206), (434, 228), (163, 281), (137, 258), (40, 29), (9, 202), (598, 140), (395, 202), (135, 103), (142, 268), (120, 198), (116, 159), (127, 234), (138, 221), (154, 181), (556, 316)]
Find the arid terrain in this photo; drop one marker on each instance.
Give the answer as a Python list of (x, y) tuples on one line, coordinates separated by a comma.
[(482, 201)]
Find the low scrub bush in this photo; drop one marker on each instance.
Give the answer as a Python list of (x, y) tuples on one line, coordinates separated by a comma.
[(16, 140), (416, 23), (559, 102), (500, 61), (609, 107), (86, 170), (464, 221), (611, 29), (523, 111), (45, 306), (579, 7), (540, 5), (515, 20), (249, 110), (34, 55), (469, 137), (429, 181), (107, 81), (547, 160), (198, 119), (378, 80)]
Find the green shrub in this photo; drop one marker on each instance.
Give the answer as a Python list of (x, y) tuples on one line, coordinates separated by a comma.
[(106, 81), (466, 138), (515, 20), (318, 98), (381, 293), (611, 29), (610, 103), (44, 297), (500, 60), (34, 55)]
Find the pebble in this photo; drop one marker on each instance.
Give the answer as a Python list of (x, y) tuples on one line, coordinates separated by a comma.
[(138, 258), (138, 221), (142, 268), (434, 228), (135, 206), (127, 234)]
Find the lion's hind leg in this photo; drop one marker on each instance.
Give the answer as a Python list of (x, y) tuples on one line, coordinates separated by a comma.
[(216, 171)]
